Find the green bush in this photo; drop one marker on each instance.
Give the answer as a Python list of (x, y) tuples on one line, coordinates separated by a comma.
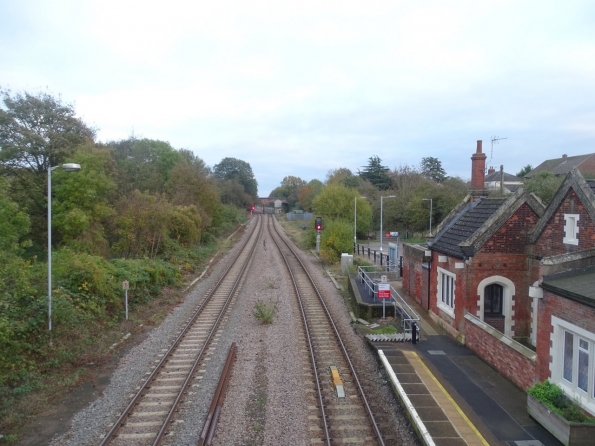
[(264, 312), (336, 238), (553, 396)]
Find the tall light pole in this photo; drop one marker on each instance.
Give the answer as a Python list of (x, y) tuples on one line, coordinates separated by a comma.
[(355, 222), (381, 197), (68, 167), (430, 200)]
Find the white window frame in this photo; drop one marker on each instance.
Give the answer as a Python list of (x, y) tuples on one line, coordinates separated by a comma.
[(444, 303), (571, 229), (571, 388)]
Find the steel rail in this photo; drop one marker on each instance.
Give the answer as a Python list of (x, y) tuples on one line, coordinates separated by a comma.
[(308, 337), (208, 431), (339, 339), (142, 391)]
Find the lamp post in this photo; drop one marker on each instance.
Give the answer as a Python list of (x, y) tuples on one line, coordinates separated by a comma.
[(355, 222), (381, 198), (68, 167), (430, 200)]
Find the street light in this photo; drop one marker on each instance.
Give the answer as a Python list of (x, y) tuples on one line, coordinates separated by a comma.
[(430, 200), (68, 167), (381, 197), (355, 222)]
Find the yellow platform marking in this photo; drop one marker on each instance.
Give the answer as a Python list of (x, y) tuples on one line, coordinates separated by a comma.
[(415, 356)]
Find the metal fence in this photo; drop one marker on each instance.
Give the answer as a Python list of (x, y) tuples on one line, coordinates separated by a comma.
[(371, 277), (302, 216), (379, 258)]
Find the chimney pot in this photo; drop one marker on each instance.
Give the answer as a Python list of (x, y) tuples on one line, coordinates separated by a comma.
[(478, 146)]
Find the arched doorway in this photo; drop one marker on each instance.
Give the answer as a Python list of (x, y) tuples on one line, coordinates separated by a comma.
[(492, 306), (495, 303)]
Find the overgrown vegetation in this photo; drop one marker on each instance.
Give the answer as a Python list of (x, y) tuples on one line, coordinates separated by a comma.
[(137, 210), (264, 311), (387, 329), (553, 396)]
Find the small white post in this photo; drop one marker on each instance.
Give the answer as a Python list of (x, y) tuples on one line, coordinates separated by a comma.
[(125, 286)]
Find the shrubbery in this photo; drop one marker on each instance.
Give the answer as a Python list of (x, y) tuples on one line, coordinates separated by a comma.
[(553, 396)]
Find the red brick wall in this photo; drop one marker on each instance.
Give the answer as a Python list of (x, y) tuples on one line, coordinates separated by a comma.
[(512, 266), (511, 238), (504, 254), (413, 273), (550, 241), (513, 365), (425, 283), (569, 310)]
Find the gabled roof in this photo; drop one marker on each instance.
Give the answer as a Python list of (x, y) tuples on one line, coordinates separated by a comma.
[(473, 225), (560, 166), (584, 189)]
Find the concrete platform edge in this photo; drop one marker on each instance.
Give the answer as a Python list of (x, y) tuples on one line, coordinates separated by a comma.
[(414, 418)]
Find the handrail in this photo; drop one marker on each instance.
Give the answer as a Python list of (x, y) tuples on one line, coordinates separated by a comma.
[(371, 277)]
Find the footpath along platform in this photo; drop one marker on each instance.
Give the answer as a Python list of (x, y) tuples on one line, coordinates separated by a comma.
[(451, 396)]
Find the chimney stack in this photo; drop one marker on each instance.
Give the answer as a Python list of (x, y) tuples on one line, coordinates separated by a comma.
[(478, 166), (564, 157), (491, 170)]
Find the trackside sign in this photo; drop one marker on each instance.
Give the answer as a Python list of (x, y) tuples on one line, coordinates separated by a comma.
[(384, 291)]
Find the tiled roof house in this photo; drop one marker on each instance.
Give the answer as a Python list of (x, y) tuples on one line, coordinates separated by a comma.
[(510, 183), (514, 281), (562, 166)]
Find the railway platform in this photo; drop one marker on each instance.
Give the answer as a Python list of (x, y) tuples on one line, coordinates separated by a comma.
[(451, 396)]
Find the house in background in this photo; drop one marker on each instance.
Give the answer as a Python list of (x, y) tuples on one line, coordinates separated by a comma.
[(500, 180), (514, 281), (562, 166)]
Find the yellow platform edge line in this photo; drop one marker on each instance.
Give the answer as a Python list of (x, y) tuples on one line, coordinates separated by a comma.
[(455, 405)]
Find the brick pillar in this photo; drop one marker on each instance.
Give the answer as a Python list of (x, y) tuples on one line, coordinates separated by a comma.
[(478, 165)]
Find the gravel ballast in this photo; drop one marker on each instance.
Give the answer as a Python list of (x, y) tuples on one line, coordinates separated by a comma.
[(266, 403)]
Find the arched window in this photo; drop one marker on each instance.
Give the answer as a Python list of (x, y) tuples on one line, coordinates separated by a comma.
[(493, 300)]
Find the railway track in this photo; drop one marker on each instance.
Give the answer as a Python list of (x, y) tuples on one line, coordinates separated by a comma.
[(334, 418), (151, 410)]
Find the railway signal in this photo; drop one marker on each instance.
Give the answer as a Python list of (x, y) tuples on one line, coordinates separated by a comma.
[(318, 227), (318, 224)]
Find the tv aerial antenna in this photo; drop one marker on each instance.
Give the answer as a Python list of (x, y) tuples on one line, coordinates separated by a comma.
[(495, 139)]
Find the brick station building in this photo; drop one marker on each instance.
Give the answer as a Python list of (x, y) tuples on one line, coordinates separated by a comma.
[(514, 281)]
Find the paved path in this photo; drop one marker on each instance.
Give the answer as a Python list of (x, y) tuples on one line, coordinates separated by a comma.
[(452, 396)]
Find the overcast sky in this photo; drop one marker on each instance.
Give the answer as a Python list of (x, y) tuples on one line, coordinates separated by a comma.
[(300, 88)]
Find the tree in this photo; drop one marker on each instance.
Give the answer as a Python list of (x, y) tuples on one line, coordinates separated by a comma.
[(335, 201), (376, 173), (445, 197), (524, 171), (235, 169), (432, 168), (83, 202), (144, 164), (292, 187), (343, 176), (141, 224), (186, 186), (308, 193), (544, 185), (37, 131), (232, 192), (14, 223)]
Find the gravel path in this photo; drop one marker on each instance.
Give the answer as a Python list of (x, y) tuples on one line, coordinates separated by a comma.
[(265, 403)]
